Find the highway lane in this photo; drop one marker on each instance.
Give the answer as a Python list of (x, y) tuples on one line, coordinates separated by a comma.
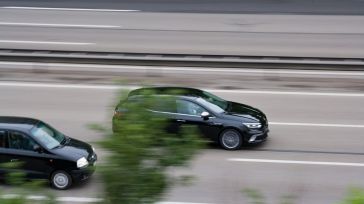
[(219, 180), (231, 34), (347, 82), (206, 6)]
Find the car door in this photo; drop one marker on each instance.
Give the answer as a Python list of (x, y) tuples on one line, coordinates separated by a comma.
[(21, 149), (165, 107), (189, 113)]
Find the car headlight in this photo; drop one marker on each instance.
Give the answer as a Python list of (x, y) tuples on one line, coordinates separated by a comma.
[(253, 125), (82, 162)]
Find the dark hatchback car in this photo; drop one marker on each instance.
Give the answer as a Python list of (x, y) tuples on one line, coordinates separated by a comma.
[(227, 123), (42, 152)]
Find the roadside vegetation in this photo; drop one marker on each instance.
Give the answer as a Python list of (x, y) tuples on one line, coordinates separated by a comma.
[(23, 189), (140, 152)]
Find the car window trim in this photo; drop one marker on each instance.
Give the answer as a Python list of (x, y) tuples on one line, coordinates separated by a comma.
[(154, 111), (206, 109)]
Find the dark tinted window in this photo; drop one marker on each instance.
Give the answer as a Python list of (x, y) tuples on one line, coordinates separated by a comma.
[(2, 139), (189, 108), (20, 141), (164, 104), (159, 103)]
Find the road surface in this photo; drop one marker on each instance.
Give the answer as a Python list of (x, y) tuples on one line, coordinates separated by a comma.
[(72, 29), (348, 7), (314, 152)]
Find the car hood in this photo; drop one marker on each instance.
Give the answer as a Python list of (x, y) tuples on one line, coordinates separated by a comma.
[(73, 149), (245, 111)]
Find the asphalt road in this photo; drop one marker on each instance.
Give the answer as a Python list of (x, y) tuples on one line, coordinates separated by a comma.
[(207, 6), (183, 33), (306, 127)]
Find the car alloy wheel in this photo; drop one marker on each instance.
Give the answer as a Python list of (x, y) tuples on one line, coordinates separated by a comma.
[(230, 139), (61, 180)]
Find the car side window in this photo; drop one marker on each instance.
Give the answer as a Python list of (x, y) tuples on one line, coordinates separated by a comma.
[(20, 141), (164, 104), (189, 108), (2, 139)]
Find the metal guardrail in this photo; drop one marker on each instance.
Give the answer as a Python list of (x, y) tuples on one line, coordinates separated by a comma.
[(116, 58)]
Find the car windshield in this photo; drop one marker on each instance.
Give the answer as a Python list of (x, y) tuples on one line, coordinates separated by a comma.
[(47, 135), (215, 100), (209, 105)]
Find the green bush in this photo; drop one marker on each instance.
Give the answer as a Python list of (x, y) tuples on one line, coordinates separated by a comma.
[(21, 187), (140, 151), (355, 196)]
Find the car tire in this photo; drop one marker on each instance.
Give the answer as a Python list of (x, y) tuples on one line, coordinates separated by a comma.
[(230, 139), (61, 180)]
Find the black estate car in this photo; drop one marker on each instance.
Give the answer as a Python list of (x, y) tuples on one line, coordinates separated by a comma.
[(42, 152), (228, 123)]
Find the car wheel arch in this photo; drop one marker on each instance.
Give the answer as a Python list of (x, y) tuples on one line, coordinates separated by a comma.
[(232, 128)]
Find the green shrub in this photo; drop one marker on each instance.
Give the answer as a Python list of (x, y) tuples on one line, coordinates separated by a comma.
[(140, 151)]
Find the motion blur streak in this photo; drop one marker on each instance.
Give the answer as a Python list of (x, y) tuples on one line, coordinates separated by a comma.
[(197, 33), (114, 87), (318, 125), (180, 203), (67, 9), (56, 25), (297, 162), (43, 42), (59, 199), (194, 70)]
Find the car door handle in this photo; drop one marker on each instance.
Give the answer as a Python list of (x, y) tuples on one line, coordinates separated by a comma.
[(181, 120), (14, 160)]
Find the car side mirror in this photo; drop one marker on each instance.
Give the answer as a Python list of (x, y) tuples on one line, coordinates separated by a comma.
[(205, 115)]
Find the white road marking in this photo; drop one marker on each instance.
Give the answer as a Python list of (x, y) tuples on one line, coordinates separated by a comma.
[(296, 162), (59, 199), (77, 199), (44, 42), (66, 86), (179, 203), (68, 9), (194, 69), (288, 93), (317, 125), (115, 87), (57, 25)]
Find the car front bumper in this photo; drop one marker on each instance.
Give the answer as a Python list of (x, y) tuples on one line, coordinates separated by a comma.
[(257, 136), (82, 174), (85, 173)]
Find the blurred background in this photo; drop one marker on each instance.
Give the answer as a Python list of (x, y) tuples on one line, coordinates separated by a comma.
[(300, 62)]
